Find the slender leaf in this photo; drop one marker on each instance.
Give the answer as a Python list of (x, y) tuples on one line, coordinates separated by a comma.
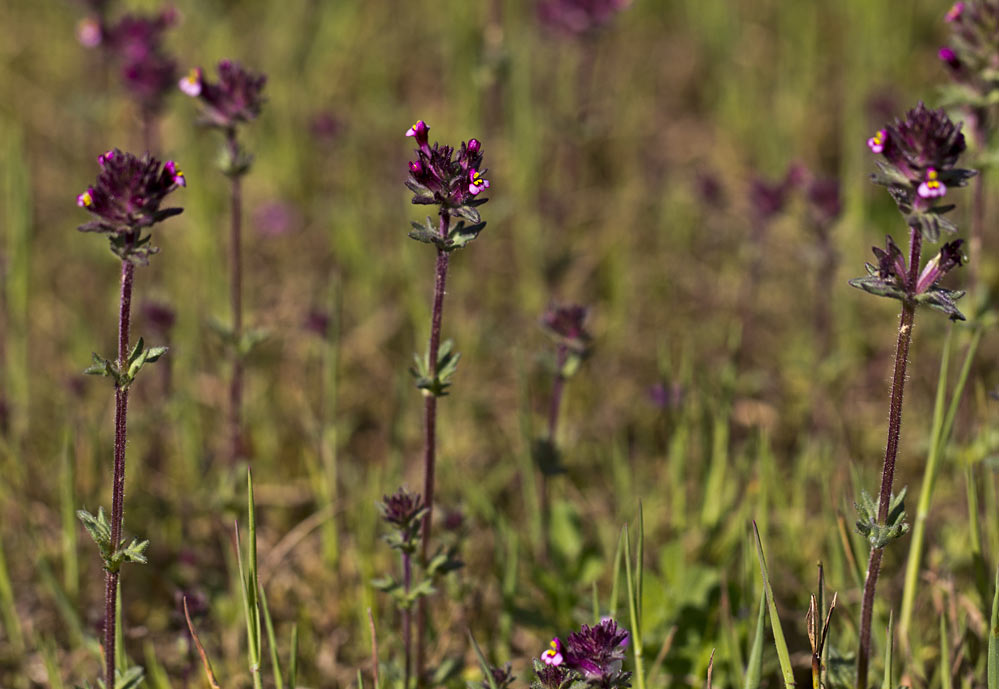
[(756, 651), (783, 657)]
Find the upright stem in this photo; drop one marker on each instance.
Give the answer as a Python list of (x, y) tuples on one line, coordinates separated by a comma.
[(118, 482), (891, 453), (430, 440), (558, 386), (236, 449), (407, 626)]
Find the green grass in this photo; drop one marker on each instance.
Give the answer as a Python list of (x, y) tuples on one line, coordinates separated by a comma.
[(603, 210)]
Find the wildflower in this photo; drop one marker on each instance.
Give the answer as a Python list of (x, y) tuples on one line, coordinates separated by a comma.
[(317, 322), (567, 324), (128, 193), (948, 56), (955, 12), (437, 177), (159, 315), (136, 42), (476, 182), (236, 98), (824, 201), (877, 142), (920, 153), (577, 17), (932, 187), (553, 654), (597, 651), (402, 508)]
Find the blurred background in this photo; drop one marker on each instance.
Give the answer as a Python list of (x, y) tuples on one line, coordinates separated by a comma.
[(693, 171)]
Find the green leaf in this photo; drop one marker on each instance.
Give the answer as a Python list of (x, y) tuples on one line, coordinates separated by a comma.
[(99, 529), (783, 656)]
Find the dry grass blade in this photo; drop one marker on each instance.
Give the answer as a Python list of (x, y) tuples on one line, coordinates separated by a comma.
[(201, 649)]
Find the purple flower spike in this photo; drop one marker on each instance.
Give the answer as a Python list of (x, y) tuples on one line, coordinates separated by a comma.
[(597, 651), (128, 193), (476, 182), (877, 142), (236, 98), (553, 654), (932, 187)]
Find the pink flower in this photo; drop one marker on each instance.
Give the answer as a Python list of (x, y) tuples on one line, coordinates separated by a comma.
[(877, 142), (476, 181), (932, 187), (553, 654), (191, 84)]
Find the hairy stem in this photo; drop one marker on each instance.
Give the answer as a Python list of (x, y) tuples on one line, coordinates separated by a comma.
[(236, 448), (891, 453), (430, 440), (118, 481), (407, 626)]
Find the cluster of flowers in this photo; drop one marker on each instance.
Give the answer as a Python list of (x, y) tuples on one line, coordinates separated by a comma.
[(920, 155), (438, 178), (592, 655), (135, 42), (921, 152), (236, 98), (567, 324), (972, 58)]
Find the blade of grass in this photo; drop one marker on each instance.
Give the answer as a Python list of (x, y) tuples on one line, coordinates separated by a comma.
[(756, 652), (636, 630), (945, 678), (889, 655), (486, 671), (293, 659), (616, 577), (51, 662), (11, 621), (783, 657), (156, 674), (212, 682), (993, 652), (271, 640)]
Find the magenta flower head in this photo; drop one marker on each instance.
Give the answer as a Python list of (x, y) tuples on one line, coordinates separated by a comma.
[(578, 17), (567, 324), (126, 199), (453, 181), (236, 98), (920, 155)]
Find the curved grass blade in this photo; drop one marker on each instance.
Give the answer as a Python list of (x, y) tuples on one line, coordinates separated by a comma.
[(783, 657)]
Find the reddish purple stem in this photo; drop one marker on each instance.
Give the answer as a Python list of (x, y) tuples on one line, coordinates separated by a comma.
[(891, 453), (236, 448), (118, 482)]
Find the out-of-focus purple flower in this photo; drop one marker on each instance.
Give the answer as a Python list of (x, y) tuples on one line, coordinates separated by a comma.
[(325, 127), (136, 44), (955, 12), (128, 193), (666, 396), (972, 55), (402, 509), (824, 201), (276, 219), (502, 678), (567, 323), (236, 98), (949, 57), (159, 315), (709, 188), (767, 199), (576, 17), (437, 177), (317, 322)]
